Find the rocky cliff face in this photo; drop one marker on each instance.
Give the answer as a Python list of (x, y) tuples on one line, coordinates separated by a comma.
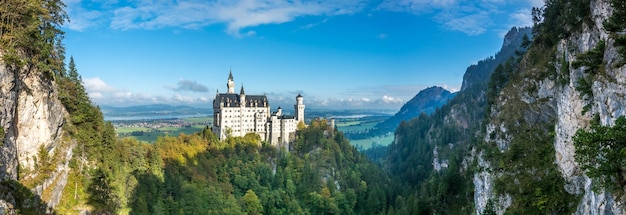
[(562, 105), (608, 102), (32, 117)]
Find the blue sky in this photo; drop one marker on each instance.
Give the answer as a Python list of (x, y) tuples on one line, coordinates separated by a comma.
[(336, 53)]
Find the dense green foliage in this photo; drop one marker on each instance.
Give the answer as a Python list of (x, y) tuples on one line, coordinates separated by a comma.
[(30, 34), (528, 163), (500, 78), (601, 152), (410, 160), (593, 61), (558, 19), (94, 163), (196, 174)]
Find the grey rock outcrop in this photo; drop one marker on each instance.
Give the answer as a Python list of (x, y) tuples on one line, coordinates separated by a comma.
[(32, 117)]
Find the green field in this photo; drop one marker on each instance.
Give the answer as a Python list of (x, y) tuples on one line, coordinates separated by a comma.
[(356, 126), (200, 120), (367, 143), (150, 135), (362, 125), (347, 123), (122, 130)]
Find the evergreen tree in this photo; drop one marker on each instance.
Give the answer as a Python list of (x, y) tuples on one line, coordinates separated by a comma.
[(602, 154), (72, 72), (489, 208), (252, 204)]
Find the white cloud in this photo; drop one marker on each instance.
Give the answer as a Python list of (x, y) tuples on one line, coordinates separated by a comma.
[(102, 93), (469, 17), (389, 99), (81, 18), (311, 25), (416, 6), (95, 95), (472, 24), (251, 33), (190, 86), (521, 18), (236, 14), (183, 99), (452, 89), (374, 99), (96, 85), (382, 36)]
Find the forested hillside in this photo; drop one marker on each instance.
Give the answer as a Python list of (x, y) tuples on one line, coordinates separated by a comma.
[(197, 174)]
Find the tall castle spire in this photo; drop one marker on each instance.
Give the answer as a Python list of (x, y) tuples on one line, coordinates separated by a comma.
[(231, 83)]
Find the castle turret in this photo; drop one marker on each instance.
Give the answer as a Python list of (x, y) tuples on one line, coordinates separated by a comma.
[(242, 97), (299, 108), (231, 83)]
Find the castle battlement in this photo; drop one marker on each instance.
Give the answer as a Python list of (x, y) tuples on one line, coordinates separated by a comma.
[(236, 115)]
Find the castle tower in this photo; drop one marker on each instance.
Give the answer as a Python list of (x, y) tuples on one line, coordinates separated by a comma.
[(242, 97), (279, 111), (299, 109), (231, 83)]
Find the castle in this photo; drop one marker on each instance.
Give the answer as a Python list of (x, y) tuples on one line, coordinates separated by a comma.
[(239, 114)]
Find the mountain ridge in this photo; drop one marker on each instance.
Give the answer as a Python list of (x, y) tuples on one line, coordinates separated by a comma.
[(425, 101)]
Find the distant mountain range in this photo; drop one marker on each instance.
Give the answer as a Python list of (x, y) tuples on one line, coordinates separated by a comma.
[(426, 101)]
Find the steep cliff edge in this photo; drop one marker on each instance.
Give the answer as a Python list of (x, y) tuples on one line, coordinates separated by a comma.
[(548, 94), (32, 117), (608, 101)]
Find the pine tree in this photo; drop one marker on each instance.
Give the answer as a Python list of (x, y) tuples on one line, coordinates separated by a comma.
[(489, 208), (252, 204)]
